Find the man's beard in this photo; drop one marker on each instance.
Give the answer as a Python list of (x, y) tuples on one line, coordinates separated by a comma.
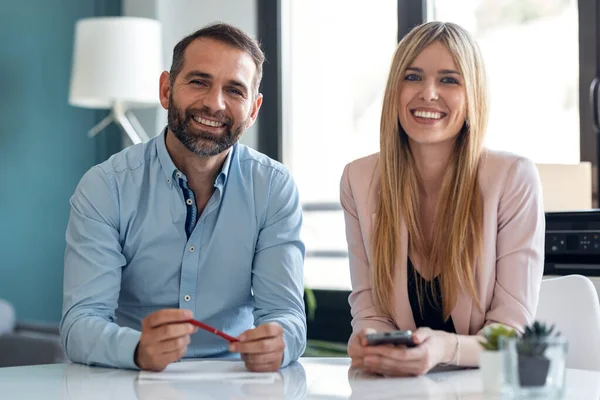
[(199, 142)]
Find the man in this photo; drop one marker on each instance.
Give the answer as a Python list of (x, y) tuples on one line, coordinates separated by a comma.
[(190, 224)]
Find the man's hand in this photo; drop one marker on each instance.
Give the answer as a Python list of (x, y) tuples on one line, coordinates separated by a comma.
[(165, 337), (261, 348)]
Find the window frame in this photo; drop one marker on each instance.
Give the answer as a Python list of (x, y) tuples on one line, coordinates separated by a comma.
[(589, 68)]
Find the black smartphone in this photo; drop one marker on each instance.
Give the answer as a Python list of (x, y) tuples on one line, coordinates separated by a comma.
[(403, 338)]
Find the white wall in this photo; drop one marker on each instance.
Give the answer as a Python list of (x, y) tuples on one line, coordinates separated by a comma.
[(179, 18)]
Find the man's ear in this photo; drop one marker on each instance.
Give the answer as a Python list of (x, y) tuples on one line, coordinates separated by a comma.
[(164, 90), (254, 112)]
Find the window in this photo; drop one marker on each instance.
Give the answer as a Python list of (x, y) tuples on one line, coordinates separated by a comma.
[(531, 52), (336, 58), (331, 64)]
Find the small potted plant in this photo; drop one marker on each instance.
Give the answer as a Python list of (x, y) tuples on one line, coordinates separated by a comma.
[(533, 363), (491, 361)]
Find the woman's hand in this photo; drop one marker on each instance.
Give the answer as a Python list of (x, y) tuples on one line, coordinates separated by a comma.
[(434, 347), (357, 345)]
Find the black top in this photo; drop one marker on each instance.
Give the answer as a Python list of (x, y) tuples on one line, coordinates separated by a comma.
[(432, 316)]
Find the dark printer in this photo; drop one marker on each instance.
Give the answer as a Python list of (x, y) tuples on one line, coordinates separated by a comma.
[(573, 243)]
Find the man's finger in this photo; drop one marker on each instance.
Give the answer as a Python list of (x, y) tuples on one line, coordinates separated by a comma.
[(170, 345), (270, 329), (167, 332), (271, 367), (264, 362), (265, 358), (259, 346), (173, 331), (172, 356), (167, 316)]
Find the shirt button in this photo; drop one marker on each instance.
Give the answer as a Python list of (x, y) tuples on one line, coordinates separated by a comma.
[(189, 202), (168, 180), (178, 174), (192, 248), (187, 297)]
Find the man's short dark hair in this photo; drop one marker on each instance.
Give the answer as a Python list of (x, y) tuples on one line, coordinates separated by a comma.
[(223, 33)]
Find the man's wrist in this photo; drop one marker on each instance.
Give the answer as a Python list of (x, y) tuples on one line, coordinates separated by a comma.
[(135, 356)]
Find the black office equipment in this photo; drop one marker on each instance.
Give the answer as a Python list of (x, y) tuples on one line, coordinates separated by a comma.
[(573, 243)]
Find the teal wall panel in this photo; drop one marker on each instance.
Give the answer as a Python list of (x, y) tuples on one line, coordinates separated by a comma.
[(44, 149)]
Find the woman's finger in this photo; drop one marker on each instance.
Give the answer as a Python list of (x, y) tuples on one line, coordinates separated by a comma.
[(398, 353), (390, 367), (362, 340), (357, 362), (422, 334), (384, 366)]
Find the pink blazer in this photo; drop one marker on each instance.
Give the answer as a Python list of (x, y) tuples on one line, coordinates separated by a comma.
[(509, 275)]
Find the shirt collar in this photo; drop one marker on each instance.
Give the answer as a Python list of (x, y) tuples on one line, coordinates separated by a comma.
[(222, 177), (164, 158), (169, 168)]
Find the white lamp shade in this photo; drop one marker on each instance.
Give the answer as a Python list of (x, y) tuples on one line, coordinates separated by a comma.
[(116, 60)]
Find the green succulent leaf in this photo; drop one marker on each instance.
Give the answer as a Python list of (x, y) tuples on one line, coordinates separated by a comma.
[(492, 335)]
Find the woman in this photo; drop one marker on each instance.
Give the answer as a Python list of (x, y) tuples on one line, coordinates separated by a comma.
[(444, 237)]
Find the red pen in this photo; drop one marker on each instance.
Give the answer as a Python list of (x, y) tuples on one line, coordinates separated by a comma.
[(217, 332)]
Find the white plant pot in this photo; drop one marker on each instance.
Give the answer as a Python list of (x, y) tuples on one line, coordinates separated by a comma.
[(491, 365)]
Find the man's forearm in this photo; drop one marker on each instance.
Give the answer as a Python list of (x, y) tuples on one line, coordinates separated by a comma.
[(93, 340)]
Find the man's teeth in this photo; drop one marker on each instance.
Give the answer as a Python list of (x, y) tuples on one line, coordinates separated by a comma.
[(428, 114), (208, 122)]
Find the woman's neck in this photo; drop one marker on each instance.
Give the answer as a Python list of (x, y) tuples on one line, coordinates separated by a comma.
[(432, 163)]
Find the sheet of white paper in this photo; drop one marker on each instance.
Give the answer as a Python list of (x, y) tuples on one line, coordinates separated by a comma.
[(208, 370)]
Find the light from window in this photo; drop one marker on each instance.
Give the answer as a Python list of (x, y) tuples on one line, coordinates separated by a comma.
[(336, 55)]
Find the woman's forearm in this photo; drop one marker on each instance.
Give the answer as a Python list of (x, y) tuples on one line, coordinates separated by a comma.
[(462, 350)]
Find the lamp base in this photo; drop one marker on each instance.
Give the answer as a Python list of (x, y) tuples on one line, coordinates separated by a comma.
[(126, 120)]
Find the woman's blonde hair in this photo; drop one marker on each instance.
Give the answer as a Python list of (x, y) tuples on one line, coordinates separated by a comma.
[(456, 240)]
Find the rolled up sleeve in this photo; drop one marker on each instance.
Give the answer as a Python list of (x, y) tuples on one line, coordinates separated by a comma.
[(278, 267), (92, 278)]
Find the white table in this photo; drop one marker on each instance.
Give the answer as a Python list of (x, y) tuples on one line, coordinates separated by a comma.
[(311, 378)]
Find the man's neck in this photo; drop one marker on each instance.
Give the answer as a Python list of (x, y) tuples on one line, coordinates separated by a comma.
[(201, 172)]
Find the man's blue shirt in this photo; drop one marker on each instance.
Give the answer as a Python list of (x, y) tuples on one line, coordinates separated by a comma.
[(136, 244)]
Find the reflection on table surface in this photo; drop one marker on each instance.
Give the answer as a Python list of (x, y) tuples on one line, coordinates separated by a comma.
[(82, 382), (310, 378)]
